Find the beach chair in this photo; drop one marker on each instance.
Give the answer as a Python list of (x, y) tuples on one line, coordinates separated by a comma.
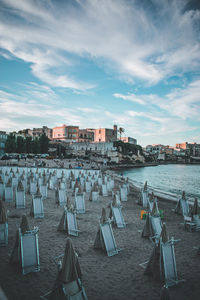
[(145, 198), (188, 223), (123, 193), (62, 197), (185, 207), (74, 290), (109, 240), (33, 188), (3, 234), (169, 263), (38, 208), (29, 251), (20, 199), (71, 223), (156, 226), (8, 194), (118, 217), (80, 203), (196, 220)]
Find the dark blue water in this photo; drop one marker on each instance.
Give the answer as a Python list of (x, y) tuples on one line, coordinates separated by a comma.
[(170, 178)]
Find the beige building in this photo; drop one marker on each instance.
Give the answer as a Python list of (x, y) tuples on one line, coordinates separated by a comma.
[(129, 140), (86, 135), (37, 132)]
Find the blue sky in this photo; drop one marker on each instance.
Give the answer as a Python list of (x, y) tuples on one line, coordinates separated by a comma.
[(97, 63)]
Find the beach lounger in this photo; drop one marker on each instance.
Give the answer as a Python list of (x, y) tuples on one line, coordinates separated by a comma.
[(156, 226), (145, 199), (8, 194), (71, 223), (20, 199), (29, 251), (62, 197), (118, 217), (38, 208), (188, 223), (169, 262), (109, 240), (3, 234), (74, 290), (123, 193), (80, 203), (196, 220)]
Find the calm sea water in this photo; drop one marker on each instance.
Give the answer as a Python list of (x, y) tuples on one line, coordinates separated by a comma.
[(170, 178)]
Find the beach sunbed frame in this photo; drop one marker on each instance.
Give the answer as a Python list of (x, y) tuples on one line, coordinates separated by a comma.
[(3, 234), (169, 263), (62, 197), (109, 240), (8, 194), (185, 207), (38, 208), (123, 193), (72, 291), (29, 251), (145, 199), (20, 199), (188, 223), (80, 203), (70, 218), (157, 227), (118, 217)]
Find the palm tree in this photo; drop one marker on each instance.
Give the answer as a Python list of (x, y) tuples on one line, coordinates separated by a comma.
[(121, 130)]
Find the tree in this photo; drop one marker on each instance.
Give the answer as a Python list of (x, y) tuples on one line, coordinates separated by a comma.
[(29, 144), (10, 146), (121, 130), (36, 146), (44, 143), (21, 145)]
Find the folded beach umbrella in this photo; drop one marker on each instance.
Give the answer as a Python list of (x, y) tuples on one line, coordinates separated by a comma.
[(69, 272), (99, 240), (153, 266), (163, 235), (70, 267), (3, 214), (147, 231), (145, 187), (16, 252), (155, 211)]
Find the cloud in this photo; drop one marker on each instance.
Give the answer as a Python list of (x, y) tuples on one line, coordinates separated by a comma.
[(132, 41), (130, 97)]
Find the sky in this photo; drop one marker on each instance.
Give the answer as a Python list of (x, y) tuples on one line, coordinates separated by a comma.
[(96, 63)]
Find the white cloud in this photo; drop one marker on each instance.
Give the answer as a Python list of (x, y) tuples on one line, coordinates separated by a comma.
[(126, 37), (130, 97)]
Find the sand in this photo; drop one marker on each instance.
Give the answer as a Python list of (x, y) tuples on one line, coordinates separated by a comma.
[(108, 278)]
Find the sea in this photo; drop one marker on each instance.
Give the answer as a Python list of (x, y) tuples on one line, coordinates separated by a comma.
[(173, 178)]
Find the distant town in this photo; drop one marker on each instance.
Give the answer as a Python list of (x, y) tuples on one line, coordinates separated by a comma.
[(102, 145)]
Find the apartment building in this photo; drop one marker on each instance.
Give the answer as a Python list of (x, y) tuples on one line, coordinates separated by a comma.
[(66, 133), (105, 134), (3, 138), (37, 132), (129, 140), (86, 135)]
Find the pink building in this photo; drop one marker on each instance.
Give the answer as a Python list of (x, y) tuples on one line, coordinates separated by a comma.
[(105, 134), (66, 133)]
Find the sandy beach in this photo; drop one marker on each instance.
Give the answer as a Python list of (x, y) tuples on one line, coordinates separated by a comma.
[(103, 277)]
